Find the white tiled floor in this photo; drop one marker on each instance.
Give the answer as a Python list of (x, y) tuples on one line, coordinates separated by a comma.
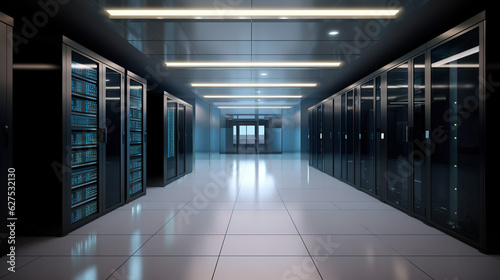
[(252, 217)]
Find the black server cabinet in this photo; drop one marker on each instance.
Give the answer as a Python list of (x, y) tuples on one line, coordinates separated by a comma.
[(136, 138), (170, 145), (309, 136), (63, 155), (157, 144), (314, 137), (171, 160), (7, 170), (423, 127), (189, 139), (338, 136), (328, 137)]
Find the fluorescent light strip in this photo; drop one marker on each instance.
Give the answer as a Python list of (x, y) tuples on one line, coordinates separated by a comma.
[(254, 107), (253, 85), (456, 57), (304, 64), (252, 96), (250, 14)]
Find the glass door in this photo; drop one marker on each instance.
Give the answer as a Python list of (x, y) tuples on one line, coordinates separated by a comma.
[(182, 139), (246, 139), (171, 139), (314, 138), (343, 146), (337, 137), (350, 132), (87, 137), (320, 137), (418, 135), (137, 148), (261, 138), (115, 144), (456, 135), (367, 137), (398, 167)]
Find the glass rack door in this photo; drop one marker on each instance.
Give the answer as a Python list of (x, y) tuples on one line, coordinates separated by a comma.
[(85, 132), (456, 134), (172, 145), (136, 140), (419, 152), (398, 169), (367, 137), (114, 139)]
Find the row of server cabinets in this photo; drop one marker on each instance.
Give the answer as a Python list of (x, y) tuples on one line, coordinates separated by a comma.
[(7, 173), (170, 123), (412, 134), (81, 140)]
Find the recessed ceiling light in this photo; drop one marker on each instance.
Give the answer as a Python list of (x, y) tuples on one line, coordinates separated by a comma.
[(333, 33), (254, 85), (255, 107), (250, 14), (253, 96), (296, 64), (263, 74)]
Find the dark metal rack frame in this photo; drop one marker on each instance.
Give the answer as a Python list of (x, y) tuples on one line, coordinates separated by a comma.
[(158, 172), (6, 121)]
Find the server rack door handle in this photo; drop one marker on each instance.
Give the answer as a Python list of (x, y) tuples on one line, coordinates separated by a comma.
[(407, 136)]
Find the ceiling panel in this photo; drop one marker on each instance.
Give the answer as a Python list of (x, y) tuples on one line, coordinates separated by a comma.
[(223, 47), (255, 40), (211, 31), (161, 48), (280, 47)]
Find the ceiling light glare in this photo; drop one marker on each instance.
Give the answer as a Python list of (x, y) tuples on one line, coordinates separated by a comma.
[(253, 96), (297, 64), (244, 14), (254, 107), (333, 33), (253, 85)]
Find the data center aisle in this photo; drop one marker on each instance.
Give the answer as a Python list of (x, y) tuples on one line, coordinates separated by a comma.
[(252, 217)]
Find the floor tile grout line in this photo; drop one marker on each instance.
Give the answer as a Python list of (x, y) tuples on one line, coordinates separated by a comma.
[(298, 232), (417, 267), (227, 228), (152, 235), (36, 258)]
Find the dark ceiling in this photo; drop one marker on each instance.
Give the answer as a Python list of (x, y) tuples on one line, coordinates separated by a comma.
[(257, 41), (362, 45)]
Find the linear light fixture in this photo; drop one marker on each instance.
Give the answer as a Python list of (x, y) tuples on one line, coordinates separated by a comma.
[(251, 14), (253, 85), (254, 107), (253, 96), (456, 57), (297, 64)]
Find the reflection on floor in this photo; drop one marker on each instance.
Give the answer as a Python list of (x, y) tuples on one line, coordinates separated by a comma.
[(252, 217)]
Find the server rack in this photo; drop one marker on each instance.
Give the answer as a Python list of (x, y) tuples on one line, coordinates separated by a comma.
[(83, 177), (428, 154), (114, 138), (137, 137), (6, 163), (170, 126), (72, 102)]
